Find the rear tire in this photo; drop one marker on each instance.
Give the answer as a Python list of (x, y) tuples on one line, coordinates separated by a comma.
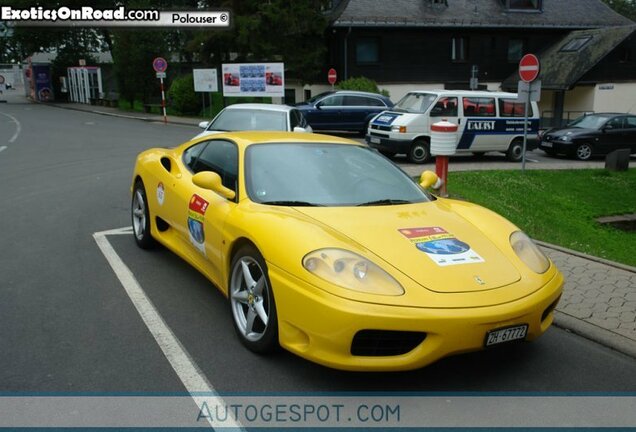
[(141, 217), (420, 151), (515, 151), (583, 152)]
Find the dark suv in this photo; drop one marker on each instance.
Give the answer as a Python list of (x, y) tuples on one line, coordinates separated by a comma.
[(343, 110)]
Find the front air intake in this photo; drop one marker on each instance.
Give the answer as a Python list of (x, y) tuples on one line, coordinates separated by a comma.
[(382, 343)]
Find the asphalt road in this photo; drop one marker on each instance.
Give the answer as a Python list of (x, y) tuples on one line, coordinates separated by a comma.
[(67, 325)]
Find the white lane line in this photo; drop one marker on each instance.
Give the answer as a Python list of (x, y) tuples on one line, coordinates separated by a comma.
[(187, 370), (532, 160), (18, 126), (3, 148)]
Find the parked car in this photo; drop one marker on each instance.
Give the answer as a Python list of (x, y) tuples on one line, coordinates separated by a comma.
[(592, 134), (328, 249), (252, 116), (343, 110)]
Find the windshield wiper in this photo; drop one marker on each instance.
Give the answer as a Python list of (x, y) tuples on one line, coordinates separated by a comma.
[(292, 203), (385, 202)]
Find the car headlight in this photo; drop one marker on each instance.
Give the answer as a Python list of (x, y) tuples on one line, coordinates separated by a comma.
[(528, 252), (566, 138), (351, 271), (399, 129)]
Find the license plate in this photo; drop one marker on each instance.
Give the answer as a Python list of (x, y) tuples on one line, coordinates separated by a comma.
[(507, 334), (546, 144), (374, 140)]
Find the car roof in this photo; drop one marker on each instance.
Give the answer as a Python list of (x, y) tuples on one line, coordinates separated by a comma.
[(260, 106), (478, 93), (246, 138)]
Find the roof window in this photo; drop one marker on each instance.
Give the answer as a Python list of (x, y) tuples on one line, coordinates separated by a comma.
[(576, 44)]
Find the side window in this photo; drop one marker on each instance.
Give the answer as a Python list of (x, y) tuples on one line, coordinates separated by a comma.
[(479, 107), (513, 108), (331, 101), (191, 154), (359, 101), (631, 122), (297, 119), (445, 106), (616, 123), (222, 158)]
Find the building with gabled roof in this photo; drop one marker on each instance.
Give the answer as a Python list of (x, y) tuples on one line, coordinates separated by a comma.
[(419, 44)]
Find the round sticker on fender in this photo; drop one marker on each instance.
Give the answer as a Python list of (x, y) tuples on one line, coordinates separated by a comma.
[(161, 193)]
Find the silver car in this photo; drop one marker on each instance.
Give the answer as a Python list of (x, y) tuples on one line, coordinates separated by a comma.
[(253, 116)]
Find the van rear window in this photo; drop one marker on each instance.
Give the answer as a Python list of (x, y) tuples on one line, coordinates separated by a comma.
[(513, 108)]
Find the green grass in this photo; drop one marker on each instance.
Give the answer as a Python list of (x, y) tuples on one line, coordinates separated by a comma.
[(558, 207)]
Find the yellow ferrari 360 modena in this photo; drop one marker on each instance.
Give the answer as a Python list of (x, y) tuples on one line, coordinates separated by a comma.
[(326, 248)]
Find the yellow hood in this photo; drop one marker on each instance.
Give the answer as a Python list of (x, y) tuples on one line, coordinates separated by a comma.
[(428, 242)]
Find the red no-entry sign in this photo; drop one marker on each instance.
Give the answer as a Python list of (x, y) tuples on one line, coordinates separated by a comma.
[(529, 68), (332, 76)]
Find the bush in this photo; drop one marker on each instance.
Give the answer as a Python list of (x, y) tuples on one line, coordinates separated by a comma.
[(361, 84), (183, 97)]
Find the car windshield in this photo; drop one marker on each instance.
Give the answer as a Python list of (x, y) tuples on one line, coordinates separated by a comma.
[(309, 174), (415, 102), (248, 119), (589, 122)]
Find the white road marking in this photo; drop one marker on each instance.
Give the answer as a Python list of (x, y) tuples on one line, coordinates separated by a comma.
[(18, 126), (3, 148), (187, 370), (532, 160)]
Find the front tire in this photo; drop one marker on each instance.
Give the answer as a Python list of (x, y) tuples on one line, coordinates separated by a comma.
[(252, 302), (583, 152), (420, 152), (515, 151), (141, 217)]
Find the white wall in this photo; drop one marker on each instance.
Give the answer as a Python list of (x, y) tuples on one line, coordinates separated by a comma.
[(615, 97)]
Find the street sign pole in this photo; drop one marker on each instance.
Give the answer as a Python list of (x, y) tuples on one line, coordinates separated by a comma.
[(529, 68), (163, 102), (525, 132)]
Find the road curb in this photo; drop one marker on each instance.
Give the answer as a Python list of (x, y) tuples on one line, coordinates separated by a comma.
[(595, 333), (128, 116), (587, 257)]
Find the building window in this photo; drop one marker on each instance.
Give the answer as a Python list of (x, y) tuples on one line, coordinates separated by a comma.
[(575, 44), (459, 49), (367, 51), (515, 50), (523, 5)]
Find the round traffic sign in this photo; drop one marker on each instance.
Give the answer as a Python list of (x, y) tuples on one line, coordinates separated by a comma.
[(332, 76), (160, 64), (529, 68)]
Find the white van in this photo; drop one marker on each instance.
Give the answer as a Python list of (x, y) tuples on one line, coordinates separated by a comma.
[(488, 121)]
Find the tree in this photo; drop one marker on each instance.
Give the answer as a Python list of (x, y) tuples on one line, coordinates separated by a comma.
[(626, 8), (133, 53)]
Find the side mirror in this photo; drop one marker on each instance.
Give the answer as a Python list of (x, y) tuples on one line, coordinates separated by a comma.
[(204, 125), (212, 181), (607, 127), (318, 105), (429, 179), (300, 129)]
